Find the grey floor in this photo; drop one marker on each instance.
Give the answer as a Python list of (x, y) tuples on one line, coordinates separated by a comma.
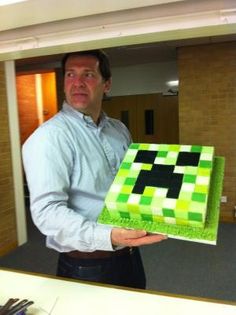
[(173, 266)]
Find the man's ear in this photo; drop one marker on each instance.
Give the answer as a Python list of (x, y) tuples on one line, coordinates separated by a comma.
[(107, 85)]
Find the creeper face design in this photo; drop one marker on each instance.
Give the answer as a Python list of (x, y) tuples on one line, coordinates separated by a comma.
[(163, 183)]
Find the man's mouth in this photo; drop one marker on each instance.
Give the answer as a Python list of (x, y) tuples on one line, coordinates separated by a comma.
[(79, 95)]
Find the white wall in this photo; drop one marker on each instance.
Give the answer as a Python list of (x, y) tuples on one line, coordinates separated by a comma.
[(143, 79)]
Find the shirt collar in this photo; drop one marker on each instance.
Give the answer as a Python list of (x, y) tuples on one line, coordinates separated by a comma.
[(86, 119)]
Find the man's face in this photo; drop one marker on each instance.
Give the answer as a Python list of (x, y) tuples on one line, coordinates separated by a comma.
[(83, 84)]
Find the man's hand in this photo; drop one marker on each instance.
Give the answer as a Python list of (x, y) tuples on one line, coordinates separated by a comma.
[(125, 237)]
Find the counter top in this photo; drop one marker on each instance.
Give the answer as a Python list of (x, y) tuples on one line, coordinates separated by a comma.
[(56, 296)]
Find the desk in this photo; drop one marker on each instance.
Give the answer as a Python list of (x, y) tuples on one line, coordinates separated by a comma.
[(55, 296)]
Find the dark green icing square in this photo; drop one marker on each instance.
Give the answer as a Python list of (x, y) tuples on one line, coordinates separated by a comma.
[(193, 216), (124, 215), (146, 217), (168, 213)]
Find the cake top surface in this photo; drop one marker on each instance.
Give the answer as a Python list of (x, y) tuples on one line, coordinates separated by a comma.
[(173, 177)]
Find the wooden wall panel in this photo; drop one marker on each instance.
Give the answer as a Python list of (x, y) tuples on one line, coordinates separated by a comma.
[(8, 233)]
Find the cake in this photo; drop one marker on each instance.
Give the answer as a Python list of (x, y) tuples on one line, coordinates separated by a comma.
[(166, 183)]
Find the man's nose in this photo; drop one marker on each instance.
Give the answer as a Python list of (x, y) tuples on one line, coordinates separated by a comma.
[(79, 81)]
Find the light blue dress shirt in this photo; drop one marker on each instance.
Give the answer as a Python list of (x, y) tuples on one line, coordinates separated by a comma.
[(70, 163)]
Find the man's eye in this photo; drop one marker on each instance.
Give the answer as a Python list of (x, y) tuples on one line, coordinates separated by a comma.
[(89, 75), (69, 74)]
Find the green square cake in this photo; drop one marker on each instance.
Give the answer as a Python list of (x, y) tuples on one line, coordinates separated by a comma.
[(159, 185)]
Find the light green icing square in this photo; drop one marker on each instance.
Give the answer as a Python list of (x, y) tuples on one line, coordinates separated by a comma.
[(146, 167), (190, 170), (170, 161), (182, 205), (164, 147), (208, 149), (133, 208), (126, 189), (174, 147), (185, 195), (149, 191), (203, 171), (144, 146), (123, 172), (201, 189), (197, 206)]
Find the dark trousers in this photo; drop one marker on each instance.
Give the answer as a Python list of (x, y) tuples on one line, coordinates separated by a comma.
[(126, 270)]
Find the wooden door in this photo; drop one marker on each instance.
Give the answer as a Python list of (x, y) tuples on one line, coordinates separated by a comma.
[(151, 118), (124, 109)]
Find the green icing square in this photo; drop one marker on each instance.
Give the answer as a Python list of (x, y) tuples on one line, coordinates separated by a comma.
[(149, 191), (125, 165), (181, 215), (208, 149), (144, 209), (196, 148), (119, 180), (174, 147), (185, 195), (133, 208), (130, 181), (129, 158), (157, 202), (122, 173), (205, 164), (111, 197), (182, 204), (194, 216), (123, 198), (181, 221), (198, 197), (201, 189), (124, 215), (170, 161), (134, 146), (135, 216), (147, 217), (190, 170), (203, 171), (146, 167), (126, 189), (121, 206), (162, 153), (133, 173), (145, 200), (188, 178), (158, 218), (163, 147), (168, 213), (144, 146), (197, 207)]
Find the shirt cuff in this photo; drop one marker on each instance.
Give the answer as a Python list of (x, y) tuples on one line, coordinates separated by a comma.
[(102, 237)]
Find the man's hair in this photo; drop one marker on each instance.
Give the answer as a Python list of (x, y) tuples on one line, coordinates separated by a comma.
[(100, 55)]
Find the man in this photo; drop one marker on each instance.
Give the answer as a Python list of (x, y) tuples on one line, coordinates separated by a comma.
[(70, 162)]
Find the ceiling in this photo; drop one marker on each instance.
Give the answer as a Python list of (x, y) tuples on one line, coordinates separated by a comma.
[(165, 51), (133, 32)]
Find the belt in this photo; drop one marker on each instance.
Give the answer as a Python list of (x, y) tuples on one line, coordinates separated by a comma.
[(100, 254)]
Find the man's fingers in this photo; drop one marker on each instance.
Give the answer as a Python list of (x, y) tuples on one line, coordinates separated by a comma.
[(127, 237), (148, 239)]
